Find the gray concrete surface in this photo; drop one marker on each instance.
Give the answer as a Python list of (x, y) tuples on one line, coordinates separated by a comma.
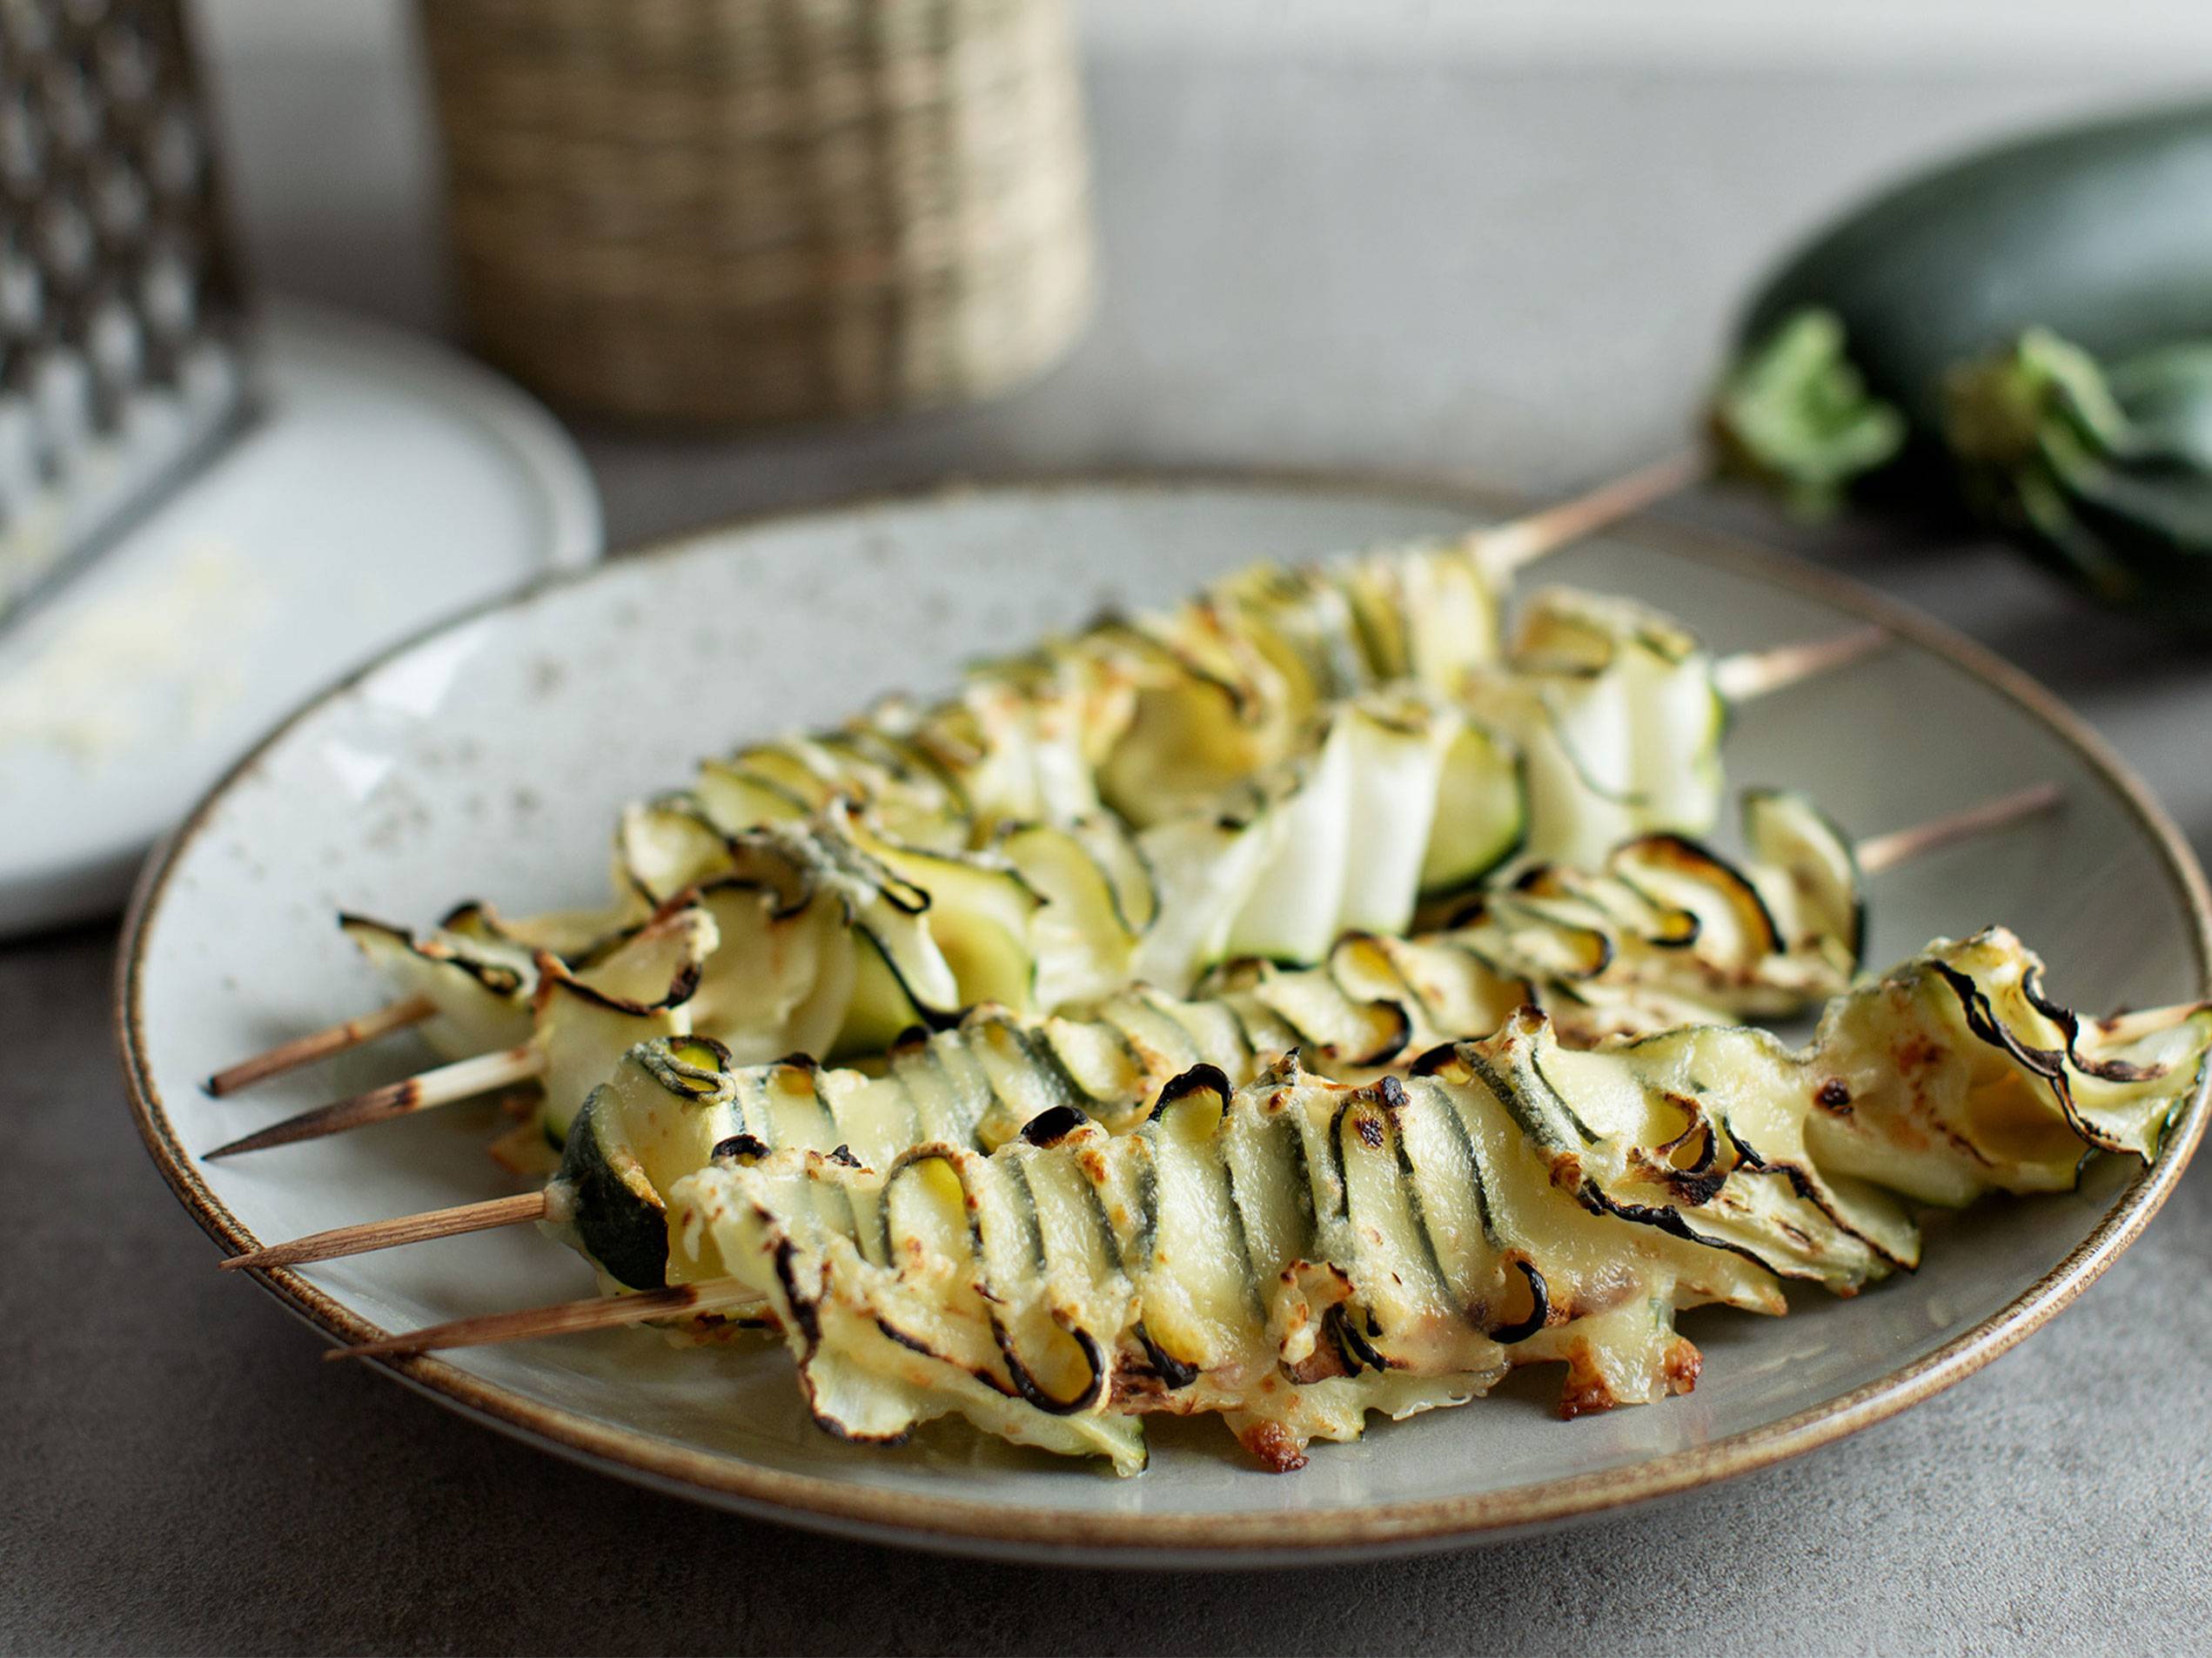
[(1419, 265)]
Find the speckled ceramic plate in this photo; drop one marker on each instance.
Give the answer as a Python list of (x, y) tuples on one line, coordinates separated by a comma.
[(487, 759)]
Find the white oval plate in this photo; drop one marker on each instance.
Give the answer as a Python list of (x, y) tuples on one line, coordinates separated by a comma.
[(487, 759), (386, 482)]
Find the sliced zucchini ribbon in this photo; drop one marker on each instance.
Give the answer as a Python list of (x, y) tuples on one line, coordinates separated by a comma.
[(1298, 1253), (1668, 934), (852, 899)]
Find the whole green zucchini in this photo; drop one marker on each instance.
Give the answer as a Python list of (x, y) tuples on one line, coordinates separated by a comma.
[(2042, 313)]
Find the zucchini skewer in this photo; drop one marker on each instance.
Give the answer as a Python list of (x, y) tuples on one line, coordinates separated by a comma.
[(1667, 935), (835, 937), (1023, 738), (1196, 700), (644, 986), (1400, 1245), (1664, 923)]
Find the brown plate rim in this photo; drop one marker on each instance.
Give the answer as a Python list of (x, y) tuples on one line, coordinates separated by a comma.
[(1285, 1535)]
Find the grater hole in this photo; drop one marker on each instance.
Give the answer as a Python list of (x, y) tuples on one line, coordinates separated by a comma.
[(21, 292), (165, 295), (127, 71), (72, 117), (174, 154), (64, 241), (120, 205), (27, 27), (22, 149)]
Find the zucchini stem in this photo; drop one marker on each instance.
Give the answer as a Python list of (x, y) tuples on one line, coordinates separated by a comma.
[(1794, 414)]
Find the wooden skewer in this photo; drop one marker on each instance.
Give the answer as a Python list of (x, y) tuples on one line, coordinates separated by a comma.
[(1504, 548), (1875, 855), (406, 1229), (463, 1079), (563, 1318), (1750, 674), (2127, 1025), (1879, 852), (322, 1044)]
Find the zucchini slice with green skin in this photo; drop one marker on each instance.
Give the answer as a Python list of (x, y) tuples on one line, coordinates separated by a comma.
[(1085, 942), (666, 847), (1480, 824), (669, 1107), (481, 985), (1289, 912), (1298, 1253), (602, 1205), (1304, 625), (585, 1023), (1618, 721), (734, 797), (1807, 871), (981, 913), (480, 969), (2041, 1087)]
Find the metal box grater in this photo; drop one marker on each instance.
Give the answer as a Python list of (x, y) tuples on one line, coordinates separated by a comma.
[(122, 310)]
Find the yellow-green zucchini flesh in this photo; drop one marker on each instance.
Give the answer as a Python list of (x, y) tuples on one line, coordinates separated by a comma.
[(1297, 1253)]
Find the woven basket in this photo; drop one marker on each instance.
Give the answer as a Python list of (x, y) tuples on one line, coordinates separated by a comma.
[(726, 211)]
